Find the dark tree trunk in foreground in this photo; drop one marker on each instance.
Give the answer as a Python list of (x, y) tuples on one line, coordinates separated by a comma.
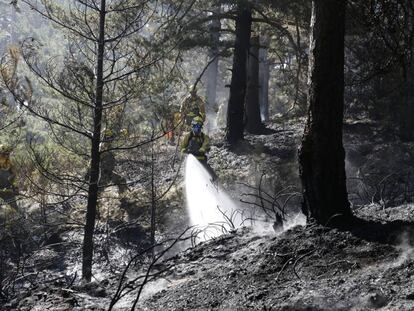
[(95, 155), (407, 106), (253, 120), (322, 156), (235, 110)]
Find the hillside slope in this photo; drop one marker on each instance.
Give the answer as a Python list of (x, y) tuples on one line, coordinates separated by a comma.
[(305, 268)]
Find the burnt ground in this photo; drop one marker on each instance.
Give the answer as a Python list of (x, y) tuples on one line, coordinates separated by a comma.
[(305, 268), (368, 267)]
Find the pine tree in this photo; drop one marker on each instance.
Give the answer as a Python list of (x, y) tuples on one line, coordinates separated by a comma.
[(321, 155)]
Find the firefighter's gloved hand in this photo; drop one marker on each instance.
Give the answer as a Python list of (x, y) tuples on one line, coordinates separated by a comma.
[(192, 151), (198, 153)]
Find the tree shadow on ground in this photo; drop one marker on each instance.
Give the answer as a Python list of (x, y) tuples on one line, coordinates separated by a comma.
[(246, 147), (268, 131), (394, 232)]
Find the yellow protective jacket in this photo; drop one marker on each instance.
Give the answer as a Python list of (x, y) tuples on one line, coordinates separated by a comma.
[(197, 145), (191, 107), (5, 163)]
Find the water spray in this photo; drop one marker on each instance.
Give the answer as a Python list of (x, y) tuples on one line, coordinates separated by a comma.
[(209, 207), (213, 212)]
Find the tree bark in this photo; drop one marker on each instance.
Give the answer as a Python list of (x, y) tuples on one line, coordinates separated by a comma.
[(321, 155), (264, 75), (253, 120), (235, 110), (95, 154), (13, 25), (212, 72), (153, 200), (406, 112)]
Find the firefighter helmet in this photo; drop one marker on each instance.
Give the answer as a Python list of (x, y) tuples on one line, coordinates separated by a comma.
[(197, 120)]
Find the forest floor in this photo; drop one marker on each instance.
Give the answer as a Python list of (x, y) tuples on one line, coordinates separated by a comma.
[(369, 266), (305, 268)]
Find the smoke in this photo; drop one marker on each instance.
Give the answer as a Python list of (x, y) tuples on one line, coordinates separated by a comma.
[(211, 123), (406, 251), (213, 212), (153, 287), (298, 219)]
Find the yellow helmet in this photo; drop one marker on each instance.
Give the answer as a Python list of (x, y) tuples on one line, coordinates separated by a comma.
[(108, 133), (124, 133)]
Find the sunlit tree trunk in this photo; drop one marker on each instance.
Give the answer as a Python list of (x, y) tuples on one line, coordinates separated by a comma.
[(95, 154), (212, 71), (153, 200), (13, 25), (322, 156), (264, 75), (235, 110), (253, 119)]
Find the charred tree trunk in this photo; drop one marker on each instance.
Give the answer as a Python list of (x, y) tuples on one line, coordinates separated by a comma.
[(235, 110), (153, 200), (253, 120), (212, 72), (95, 155), (264, 75), (322, 156), (406, 132)]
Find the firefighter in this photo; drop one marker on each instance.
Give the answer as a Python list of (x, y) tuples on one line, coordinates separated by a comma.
[(197, 143), (8, 188), (192, 106), (171, 123)]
